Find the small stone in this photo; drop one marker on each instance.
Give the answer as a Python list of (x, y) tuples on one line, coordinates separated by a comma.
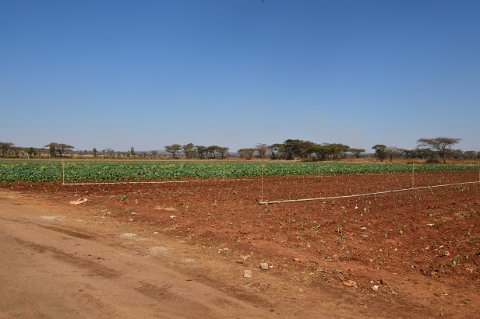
[(350, 283), (158, 250), (264, 266), (296, 259), (247, 273), (128, 235), (375, 287)]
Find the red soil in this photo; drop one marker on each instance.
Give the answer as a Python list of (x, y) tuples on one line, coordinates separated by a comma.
[(419, 248)]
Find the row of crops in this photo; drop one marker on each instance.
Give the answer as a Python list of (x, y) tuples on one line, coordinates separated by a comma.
[(120, 171)]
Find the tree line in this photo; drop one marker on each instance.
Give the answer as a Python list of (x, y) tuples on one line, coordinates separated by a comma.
[(430, 149)]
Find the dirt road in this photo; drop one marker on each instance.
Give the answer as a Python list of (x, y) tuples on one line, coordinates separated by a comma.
[(48, 270), (58, 262)]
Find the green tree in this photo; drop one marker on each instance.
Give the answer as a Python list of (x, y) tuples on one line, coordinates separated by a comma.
[(52, 149), (439, 144), (393, 152), (201, 151), (5, 148), (277, 151), (261, 149), (62, 148), (380, 151), (329, 151), (357, 151), (339, 150), (31, 152), (173, 149), (58, 148), (223, 151), (189, 150), (297, 148), (212, 151), (322, 151)]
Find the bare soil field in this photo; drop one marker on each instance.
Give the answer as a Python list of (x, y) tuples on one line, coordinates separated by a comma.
[(407, 254)]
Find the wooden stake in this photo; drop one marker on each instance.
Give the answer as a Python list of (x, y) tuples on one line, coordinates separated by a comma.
[(63, 172)]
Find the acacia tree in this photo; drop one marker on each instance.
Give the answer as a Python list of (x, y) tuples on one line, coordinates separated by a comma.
[(261, 150), (292, 148), (356, 151), (380, 151), (439, 144), (58, 148), (189, 150), (223, 151), (174, 148), (5, 148), (201, 151), (297, 148), (31, 152), (339, 150), (62, 148), (212, 151), (326, 150), (276, 151), (322, 151), (51, 149), (393, 152)]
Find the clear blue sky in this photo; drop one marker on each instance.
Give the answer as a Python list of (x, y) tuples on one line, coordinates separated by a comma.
[(239, 72)]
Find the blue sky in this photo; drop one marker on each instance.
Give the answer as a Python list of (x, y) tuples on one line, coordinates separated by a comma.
[(115, 74)]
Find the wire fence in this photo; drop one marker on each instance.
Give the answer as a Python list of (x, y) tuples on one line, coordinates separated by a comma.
[(320, 183), (330, 187)]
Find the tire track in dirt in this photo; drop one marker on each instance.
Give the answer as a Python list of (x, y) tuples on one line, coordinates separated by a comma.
[(95, 269), (69, 232)]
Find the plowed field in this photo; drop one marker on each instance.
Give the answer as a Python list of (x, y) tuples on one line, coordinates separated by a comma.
[(418, 249)]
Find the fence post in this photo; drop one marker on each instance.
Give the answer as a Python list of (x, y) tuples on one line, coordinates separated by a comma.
[(262, 174), (63, 172), (413, 175)]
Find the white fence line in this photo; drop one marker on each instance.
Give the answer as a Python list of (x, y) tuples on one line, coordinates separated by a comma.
[(362, 194), (157, 182)]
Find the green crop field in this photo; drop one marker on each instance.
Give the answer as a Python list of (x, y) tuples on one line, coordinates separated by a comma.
[(48, 171)]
